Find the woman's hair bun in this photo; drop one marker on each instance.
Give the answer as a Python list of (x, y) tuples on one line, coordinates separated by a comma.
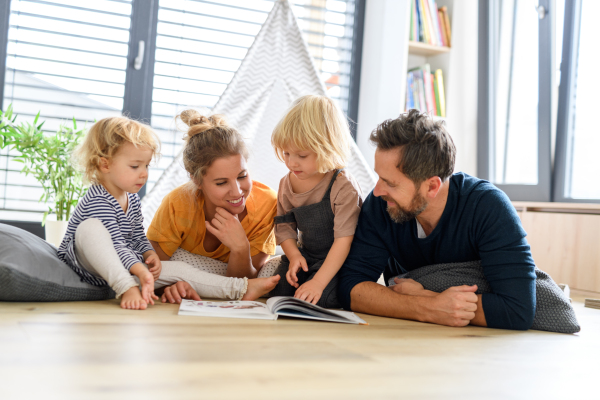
[(199, 123)]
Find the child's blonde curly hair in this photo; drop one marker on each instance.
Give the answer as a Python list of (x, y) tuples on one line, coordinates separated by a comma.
[(315, 123), (104, 139)]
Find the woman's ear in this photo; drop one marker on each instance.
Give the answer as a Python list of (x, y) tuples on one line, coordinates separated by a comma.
[(104, 165), (198, 185)]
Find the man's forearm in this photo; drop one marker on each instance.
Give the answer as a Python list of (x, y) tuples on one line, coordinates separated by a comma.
[(372, 298), (453, 307)]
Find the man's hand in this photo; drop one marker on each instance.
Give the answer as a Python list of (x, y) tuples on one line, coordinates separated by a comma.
[(455, 306), (227, 228), (310, 291), (154, 265), (295, 264), (407, 286), (180, 290)]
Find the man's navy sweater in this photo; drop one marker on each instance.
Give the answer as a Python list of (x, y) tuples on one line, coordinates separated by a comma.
[(478, 223)]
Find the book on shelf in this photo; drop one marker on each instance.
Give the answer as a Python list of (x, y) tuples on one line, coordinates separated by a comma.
[(276, 306), (429, 24), (425, 91)]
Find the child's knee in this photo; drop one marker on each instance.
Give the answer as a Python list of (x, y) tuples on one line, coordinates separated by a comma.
[(89, 224), (91, 227)]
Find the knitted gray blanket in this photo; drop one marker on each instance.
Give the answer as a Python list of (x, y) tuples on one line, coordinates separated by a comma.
[(553, 310)]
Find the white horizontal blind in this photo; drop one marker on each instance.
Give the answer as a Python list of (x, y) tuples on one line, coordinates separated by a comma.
[(200, 45), (65, 58)]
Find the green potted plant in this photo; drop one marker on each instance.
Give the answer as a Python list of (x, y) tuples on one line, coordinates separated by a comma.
[(47, 157)]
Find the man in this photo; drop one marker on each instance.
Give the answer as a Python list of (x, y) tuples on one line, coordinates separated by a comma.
[(421, 214)]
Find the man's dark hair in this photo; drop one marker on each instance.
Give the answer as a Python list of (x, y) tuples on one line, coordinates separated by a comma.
[(425, 147)]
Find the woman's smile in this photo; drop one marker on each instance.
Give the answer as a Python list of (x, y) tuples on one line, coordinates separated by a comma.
[(237, 202)]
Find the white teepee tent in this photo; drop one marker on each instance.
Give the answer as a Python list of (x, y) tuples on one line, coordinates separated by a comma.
[(277, 69)]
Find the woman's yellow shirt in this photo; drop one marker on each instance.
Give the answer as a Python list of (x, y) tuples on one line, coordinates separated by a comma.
[(180, 222)]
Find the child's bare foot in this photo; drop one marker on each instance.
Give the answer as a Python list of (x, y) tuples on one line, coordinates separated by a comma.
[(259, 286), (147, 282), (132, 299)]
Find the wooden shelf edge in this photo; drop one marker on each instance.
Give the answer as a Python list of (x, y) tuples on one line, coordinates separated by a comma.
[(425, 49), (571, 208)]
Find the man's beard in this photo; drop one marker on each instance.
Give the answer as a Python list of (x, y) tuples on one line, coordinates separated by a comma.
[(400, 214)]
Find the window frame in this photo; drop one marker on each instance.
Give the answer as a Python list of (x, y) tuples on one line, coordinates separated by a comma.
[(565, 122), (486, 103)]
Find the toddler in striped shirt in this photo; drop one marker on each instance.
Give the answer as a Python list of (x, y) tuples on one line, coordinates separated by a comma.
[(105, 241)]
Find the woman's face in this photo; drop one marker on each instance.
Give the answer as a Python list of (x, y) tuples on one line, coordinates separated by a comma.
[(227, 184)]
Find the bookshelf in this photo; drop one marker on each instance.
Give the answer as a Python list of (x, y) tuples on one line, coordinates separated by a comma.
[(387, 57), (425, 49), (438, 57)]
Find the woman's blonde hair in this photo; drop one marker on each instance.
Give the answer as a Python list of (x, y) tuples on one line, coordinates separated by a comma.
[(207, 139), (104, 139), (315, 123)]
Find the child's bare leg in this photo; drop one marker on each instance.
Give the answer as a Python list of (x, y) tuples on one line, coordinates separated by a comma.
[(260, 286)]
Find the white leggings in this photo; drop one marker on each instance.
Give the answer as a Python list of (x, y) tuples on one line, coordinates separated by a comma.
[(96, 253)]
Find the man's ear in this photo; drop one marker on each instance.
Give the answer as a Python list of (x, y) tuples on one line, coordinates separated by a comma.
[(103, 165), (433, 185)]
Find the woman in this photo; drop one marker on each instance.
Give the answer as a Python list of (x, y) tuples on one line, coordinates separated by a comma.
[(221, 221)]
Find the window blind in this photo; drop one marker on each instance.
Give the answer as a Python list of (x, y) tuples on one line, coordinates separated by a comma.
[(66, 59)]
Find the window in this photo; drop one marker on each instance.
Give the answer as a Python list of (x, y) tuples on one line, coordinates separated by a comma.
[(515, 97), (537, 92), (68, 58), (577, 132)]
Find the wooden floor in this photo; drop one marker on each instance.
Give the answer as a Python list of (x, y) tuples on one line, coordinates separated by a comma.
[(95, 350)]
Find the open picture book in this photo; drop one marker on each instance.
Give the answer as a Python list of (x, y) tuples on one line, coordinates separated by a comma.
[(275, 307)]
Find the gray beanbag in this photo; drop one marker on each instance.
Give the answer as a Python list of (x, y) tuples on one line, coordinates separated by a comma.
[(553, 310), (30, 270)]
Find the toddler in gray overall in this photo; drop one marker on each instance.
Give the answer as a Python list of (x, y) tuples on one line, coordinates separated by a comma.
[(317, 202)]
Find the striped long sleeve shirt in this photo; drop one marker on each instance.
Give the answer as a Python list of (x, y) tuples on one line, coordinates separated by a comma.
[(125, 228)]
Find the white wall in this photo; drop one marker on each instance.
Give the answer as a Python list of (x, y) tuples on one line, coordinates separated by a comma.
[(461, 88), (383, 70), (383, 75)]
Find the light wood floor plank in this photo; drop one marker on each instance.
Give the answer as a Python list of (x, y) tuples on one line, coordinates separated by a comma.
[(95, 350)]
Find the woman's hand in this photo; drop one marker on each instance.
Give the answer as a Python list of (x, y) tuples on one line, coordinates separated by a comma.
[(227, 228), (310, 291), (296, 263), (178, 291)]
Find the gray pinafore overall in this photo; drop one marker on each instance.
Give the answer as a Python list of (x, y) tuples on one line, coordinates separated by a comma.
[(315, 238)]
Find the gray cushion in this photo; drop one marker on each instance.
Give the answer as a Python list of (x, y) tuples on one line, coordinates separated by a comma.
[(30, 270), (553, 311)]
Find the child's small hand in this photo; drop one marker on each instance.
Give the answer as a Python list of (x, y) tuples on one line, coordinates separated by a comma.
[(310, 291), (154, 265), (295, 264)]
